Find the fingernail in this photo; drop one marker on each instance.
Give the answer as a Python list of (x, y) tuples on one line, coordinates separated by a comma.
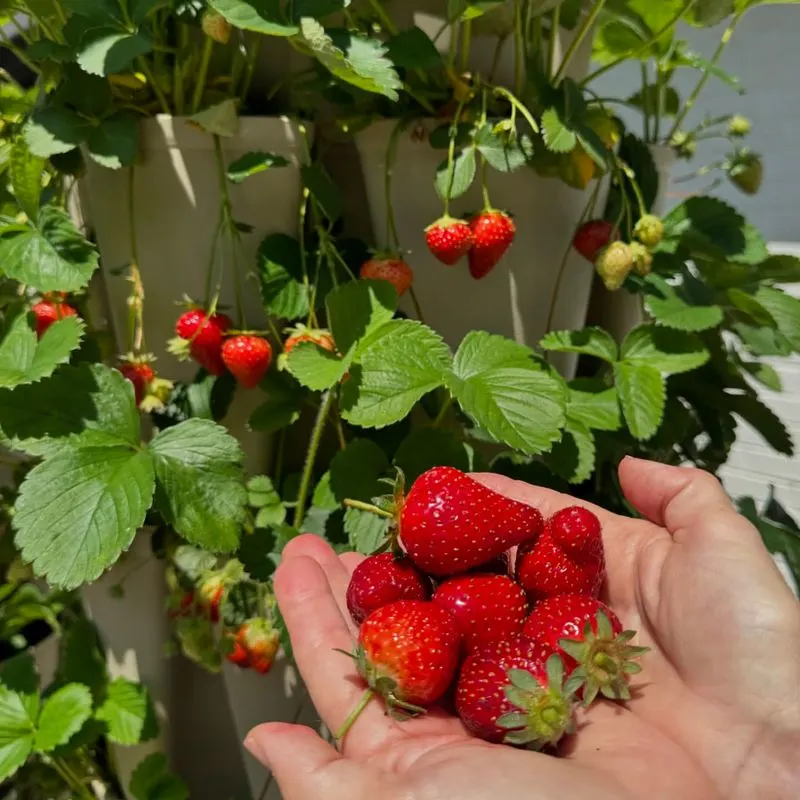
[(254, 747)]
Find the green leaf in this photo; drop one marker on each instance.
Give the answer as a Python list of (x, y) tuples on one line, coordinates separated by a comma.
[(315, 367), (366, 532), (558, 135), (16, 732), (285, 400), (357, 309), (128, 713), (261, 16), (573, 457), (430, 447), (763, 341), (503, 152), (649, 98), (785, 310), (781, 268), (687, 58), (763, 419), (705, 13), (80, 659), (53, 256), (219, 120), (115, 142), (355, 471), (108, 50), (665, 305), (23, 359), (589, 341), (95, 407), (593, 404), (26, 177), (400, 363), (19, 674), (323, 190), (280, 276), (765, 374), (455, 184), (747, 304), (352, 58), (101, 497), (643, 395), (200, 479), (152, 780), (662, 349), (256, 553), (52, 130), (63, 714), (497, 384), (413, 49), (778, 537), (253, 163)]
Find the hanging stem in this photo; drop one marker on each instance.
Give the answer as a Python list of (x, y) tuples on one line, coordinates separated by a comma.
[(577, 41), (645, 102), (136, 299), (392, 238), (250, 68), (362, 506), (692, 99), (415, 300), (519, 49), (177, 70), (162, 100), (466, 43), (205, 58), (311, 457), (74, 783), (555, 24), (448, 401)]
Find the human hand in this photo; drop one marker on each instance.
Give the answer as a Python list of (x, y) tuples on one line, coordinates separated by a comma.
[(716, 711)]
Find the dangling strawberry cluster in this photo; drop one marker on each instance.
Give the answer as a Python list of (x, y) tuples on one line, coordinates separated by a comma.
[(482, 595)]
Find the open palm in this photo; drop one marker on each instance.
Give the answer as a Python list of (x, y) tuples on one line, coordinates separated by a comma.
[(719, 688)]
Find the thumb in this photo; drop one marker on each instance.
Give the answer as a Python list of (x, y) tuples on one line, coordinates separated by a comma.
[(297, 757)]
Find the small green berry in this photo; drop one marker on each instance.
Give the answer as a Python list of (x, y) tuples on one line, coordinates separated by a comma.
[(739, 126), (614, 264), (642, 258), (649, 230)]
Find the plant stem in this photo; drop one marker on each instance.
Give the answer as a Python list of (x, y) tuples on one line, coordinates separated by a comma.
[(136, 299), (338, 427), (692, 99), (383, 17), (555, 24), (311, 457), (250, 69), (415, 300), (466, 42), (72, 780), (577, 41), (645, 102), (643, 49), (361, 506), (519, 49), (177, 70), (487, 203), (448, 401), (5, 42), (354, 715), (205, 58), (162, 100), (392, 239)]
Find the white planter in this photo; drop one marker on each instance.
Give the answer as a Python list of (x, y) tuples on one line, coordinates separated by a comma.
[(620, 311), (514, 299), (134, 629), (176, 199)]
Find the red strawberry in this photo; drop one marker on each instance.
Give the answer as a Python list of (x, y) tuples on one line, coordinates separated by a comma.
[(592, 237), (322, 339), (487, 608), (513, 692), (247, 357), (492, 234), (255, 645), (450, 523), (497, 566), (590, 639), (181, 605), (544, 569), (382, 579), (47, 312), (209, 596), (393, 270), (237, 654), (204, 334), (449, 239), (408, 653), (576, 530), (140, 374)]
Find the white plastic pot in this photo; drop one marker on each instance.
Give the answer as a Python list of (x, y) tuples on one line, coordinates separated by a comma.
[(618, 312), (514, 299), (176, 205)]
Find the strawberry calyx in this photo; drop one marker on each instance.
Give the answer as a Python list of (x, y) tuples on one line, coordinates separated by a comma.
[(388, 506), (605, 661), (545, 712)]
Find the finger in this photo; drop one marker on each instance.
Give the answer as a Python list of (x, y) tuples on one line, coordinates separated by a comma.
[(337, 574), (678, 498), (317, 628), (351, 560), (298, 758)]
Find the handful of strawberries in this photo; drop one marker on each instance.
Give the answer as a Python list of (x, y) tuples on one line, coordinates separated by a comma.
[(490, 605)]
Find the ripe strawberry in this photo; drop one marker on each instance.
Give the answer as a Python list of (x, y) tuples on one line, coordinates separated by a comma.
[(497, 566), (255, 645), (237, 654), (391, 269), (382, 579), (204, 334), (613, 264), (450, 523), (300, 333), (577, 531), (247, 357), (47, 312), (642, 258), (592, 237), (649, 230), (513, 691), (591, 642), (209, 595), (545, 568), (140, 374), (449, 239), (408, 653), (492, 234), (487, 608)]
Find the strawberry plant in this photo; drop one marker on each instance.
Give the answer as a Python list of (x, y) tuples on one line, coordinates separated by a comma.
[(109, 445)]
